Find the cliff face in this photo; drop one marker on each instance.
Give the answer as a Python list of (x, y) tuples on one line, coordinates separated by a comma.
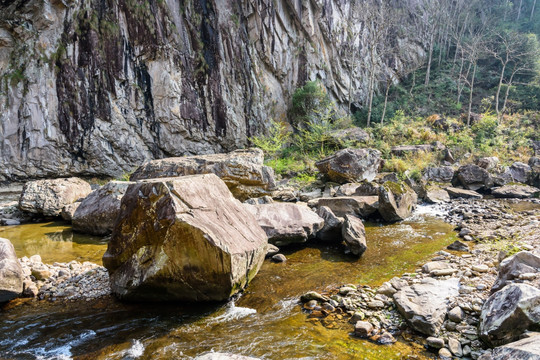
[(96, 87)]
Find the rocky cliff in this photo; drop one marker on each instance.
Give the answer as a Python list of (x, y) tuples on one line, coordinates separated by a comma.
[(95, 87)]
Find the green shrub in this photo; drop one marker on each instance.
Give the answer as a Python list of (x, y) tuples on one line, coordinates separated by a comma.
[(310, 103), (274, 142)]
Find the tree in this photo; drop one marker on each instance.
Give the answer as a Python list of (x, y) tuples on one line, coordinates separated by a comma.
[(473, 50)]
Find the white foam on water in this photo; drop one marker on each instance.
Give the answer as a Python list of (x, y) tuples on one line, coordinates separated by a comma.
[(433, 210), (233, 312), (136, 350)]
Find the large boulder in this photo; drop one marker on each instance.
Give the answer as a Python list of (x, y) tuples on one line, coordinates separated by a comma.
[(351, 165), (488, 163), (97, 213), (457, 193), (473, 177), (48, 197), (424, 305), (508, 313), (242, 170), (515, 191), (286, 223), (184, 238), (511, 268), (363, 206), (354, 135), (396, 201), (435, 195), (520, 172), (524, 349), (11, 272), (354, 235), (331, 231), (443, 174)]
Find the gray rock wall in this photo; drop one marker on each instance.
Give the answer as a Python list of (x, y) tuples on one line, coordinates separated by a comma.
[(96, 87)]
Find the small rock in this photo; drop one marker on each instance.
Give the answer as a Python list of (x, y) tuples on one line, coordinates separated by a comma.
[(435, 342), (357, 316), (41, 273), (272, 250), (279, 258), (386, 339), (345, 290), (375, 304), (481, 268), (363, 328), (445, 354), (455, 347), (458, 246), (456, 314), (312, 295), (468, 238)]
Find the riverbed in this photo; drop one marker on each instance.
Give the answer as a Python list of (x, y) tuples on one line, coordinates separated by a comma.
[(266, 321)]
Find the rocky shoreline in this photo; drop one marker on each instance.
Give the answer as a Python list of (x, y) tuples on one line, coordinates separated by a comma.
[(489, 231)]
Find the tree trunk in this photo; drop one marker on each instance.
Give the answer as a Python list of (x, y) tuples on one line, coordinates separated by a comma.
[(507, 93), (413, 83), (430, 57), (385, 101), (519, 10), (370, 101), (471, 96), (532, 10), (460, 86), (499, 90)]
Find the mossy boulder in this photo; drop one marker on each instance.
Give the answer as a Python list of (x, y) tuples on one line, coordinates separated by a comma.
[(185, 239), (396, 201)]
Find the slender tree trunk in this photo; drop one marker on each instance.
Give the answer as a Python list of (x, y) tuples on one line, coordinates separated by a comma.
[(519, 10), (471, 96), (370, 101), (460, 85), (532, 10), (413, 83), (507, 93), (499, 90), (385, 101), (430, 57)]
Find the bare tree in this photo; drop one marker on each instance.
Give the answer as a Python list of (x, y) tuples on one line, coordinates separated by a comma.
[(473, 50)]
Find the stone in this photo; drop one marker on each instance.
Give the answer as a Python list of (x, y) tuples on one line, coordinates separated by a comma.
[(363, 329), (524, 349), (435, 342), (354, 235), (331, 231), (242, 170), (515, 191), (386, 289), (286, 223), (534, 161), (456, 314), (69, 210), (48, 197), (456, 193), (363, 206), (445, 354), (402, 150), (223, 356), (386, 338), (488, 163), (520, 172), (185, 239), (259, 200), (97, 213), (375, 304), (348, 189), (312, 295), (455, 347), (271, 250), (351, 165), (501, 178), (353, 135), (279, 258), (507, 313), (458, 246), (436, 195), (11, 272), (512, 267), (481, 268), (41, 273), (443, 174), (424, 305), (307, 196), (396, 201), (473, 177), (431, 266)]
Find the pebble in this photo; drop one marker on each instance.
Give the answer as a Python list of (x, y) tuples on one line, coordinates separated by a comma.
[(481, 268), (444, 353), (376, 304), (435, 342), (456, 314), (455, 347), (363, 328), (279, 258)]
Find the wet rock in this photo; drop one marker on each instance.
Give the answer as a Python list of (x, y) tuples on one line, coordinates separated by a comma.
[(183, 238), (48, 197), (286, 223), (97, 213), (363, 329), (69, 210), (473, 177), (520, 172), (458, 246), (331, 231), (242, 170), (362, 206), (515, 191), (456, 193), (351, 165), (354, 235), (386, 338), (508, 313), (436, 195), (524, 349), (435, 342), (313, 295), (424, 305), (279, 258), (271, 250), (512, 267), (443, 174), (11, 272), (396, 201)]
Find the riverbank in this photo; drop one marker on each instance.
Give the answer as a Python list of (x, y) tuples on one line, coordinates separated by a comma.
[(458, 279)]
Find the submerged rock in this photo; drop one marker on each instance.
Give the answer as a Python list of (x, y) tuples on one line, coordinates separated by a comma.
[(286, 223), (424, 305), (48, 197), (350, 165), (354, 235), (183, 238), (97, 213), (396, 201), (508, 313), (11, 273), (242, 170)]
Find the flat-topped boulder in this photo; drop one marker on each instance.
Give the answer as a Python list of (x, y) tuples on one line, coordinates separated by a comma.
[(184, 238), (242, 170), (11, 272), (515, 191), (48, 197), (396, 201), (363, 206), (286, 223), (97, 213), (436, 195), (473, 177), (351, 165), (456, 193)]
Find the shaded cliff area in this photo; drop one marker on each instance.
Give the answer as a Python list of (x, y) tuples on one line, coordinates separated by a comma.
[(96, 87)]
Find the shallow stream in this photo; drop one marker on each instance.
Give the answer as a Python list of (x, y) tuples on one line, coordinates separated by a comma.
[(266, 321)]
